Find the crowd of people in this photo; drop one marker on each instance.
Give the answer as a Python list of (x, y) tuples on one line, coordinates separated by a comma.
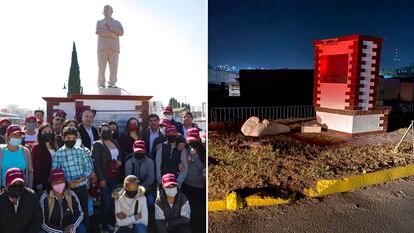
[(58, 177)]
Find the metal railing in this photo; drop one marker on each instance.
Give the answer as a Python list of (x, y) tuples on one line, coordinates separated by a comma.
[(236, 114)]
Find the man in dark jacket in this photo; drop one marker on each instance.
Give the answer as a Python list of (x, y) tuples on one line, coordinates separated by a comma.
[(153, 135), (19, 206), (172, 209), (88, 133)]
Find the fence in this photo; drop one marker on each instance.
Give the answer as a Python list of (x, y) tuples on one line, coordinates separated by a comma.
[(235, 114)]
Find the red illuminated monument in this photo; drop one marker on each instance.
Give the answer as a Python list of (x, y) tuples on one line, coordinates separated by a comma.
[(346, 84)]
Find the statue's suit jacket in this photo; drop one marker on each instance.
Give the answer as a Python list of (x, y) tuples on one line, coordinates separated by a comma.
[(109, 39)]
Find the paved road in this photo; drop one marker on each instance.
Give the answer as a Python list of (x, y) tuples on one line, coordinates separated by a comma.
[(382, 208)]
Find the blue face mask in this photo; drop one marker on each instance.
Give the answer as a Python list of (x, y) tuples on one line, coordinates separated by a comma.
[(31, 126), (15, 141)]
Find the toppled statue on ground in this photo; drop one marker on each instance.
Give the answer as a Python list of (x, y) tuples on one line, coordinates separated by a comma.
[(254, 128)]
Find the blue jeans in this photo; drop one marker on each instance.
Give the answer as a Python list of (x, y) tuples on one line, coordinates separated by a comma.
[(107, 201), (150, 199), (140, 228)]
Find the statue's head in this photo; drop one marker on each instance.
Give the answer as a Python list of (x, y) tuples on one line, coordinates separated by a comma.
[(107, 11)]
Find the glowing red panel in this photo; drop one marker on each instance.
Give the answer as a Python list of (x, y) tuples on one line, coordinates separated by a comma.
[(334, 68)]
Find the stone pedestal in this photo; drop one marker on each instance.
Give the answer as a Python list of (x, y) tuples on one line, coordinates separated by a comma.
[(346, 85), (109, 91), (118, 108)]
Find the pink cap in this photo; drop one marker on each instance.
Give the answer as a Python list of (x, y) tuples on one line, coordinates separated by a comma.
[(13, 175), (171, 130), (13, 129), (139, 146), (168, 179), (193, 134), (168, 109)]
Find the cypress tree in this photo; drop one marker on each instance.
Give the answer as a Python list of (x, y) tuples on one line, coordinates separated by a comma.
[(74, 83)]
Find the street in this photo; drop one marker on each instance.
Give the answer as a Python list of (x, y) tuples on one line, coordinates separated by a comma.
[(382, 208)]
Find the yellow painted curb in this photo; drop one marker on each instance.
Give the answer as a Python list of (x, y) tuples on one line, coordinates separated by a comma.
[(216, 205), (255, 200), (234, 202), (326, 187)]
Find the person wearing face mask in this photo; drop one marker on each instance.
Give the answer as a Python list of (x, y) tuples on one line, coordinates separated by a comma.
[(42, 153), (77, 166), (107, 160), (194, 186), (168, 114), (142, 166), (4, 123), (19, 206), (13, 154), (30, 134), (126, 141), (172, 208), (131, 207), (61, 208), (170, 159), (115, 130)]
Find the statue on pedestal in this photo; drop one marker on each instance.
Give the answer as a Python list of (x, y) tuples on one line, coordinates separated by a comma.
[(108, 30)]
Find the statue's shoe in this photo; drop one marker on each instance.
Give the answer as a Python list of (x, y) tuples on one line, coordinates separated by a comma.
[(112, 86), (101, 86)]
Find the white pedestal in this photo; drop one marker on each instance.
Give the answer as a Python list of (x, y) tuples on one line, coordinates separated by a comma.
[(109, 91)]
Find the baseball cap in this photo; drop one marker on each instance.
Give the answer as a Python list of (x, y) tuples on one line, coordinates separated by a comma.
[(193, 134), (57, 174), (171, 130), (168, 179), (30, 117), (13, 129), (5, 119), (168, 109), (13, 175), (139, 146)]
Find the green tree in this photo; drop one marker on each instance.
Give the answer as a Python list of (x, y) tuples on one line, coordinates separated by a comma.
[(74, 83)]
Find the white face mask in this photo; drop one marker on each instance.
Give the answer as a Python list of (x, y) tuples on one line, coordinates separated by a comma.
[(168, 117), (78, 142), (171, 192)]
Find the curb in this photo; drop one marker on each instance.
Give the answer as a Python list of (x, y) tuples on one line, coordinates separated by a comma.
[(326, 187), (234, 201)]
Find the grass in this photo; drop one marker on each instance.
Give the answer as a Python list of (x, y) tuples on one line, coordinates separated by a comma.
[(290, 163)]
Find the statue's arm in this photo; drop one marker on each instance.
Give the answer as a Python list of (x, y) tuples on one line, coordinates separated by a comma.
[(102, 31), (117, 29)]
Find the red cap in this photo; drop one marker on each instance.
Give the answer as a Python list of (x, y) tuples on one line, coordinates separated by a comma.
[(57, 174), (13, 175), (5, 119), (168, 109), (171, 130), (165, 122), (60, 113), (168, 179), (193, 134), (13, 129), (139, 146), (30, 117)]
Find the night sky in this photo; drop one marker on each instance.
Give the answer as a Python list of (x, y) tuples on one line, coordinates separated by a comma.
[(279, 34)]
